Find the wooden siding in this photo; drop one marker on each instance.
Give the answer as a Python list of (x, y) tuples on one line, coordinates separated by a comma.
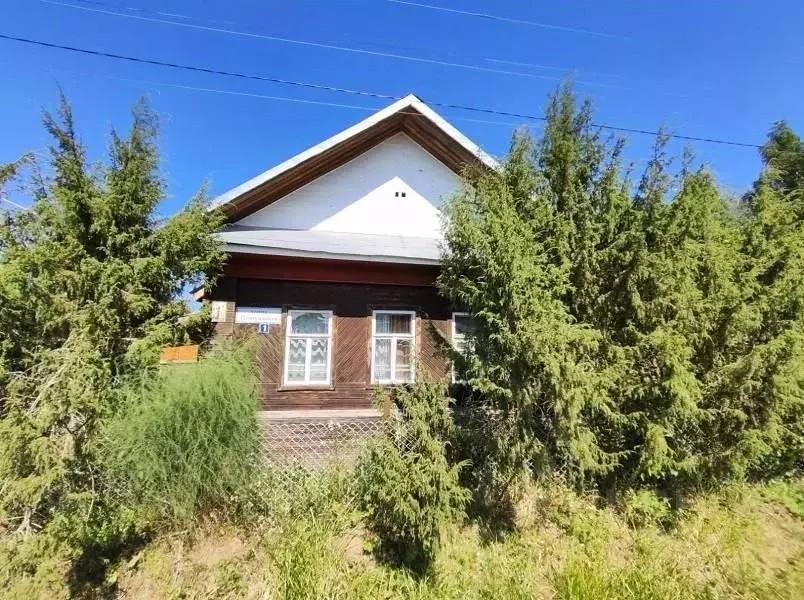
[(352, 306), (260, 266)]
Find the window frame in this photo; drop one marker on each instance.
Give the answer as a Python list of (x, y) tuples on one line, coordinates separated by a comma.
[(455, 336), (393, 337), (307, 354)]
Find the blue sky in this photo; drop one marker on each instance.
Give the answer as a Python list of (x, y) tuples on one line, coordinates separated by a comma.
[(721, 69)]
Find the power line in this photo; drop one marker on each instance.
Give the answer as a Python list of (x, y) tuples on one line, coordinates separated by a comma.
[(381, 44), (296, 100), (230, 92), (392, 55), (196, 69), (159, 13), (551, 67), (402, 2), (16, 205), (491, 17), (326, 46), (488, 111)]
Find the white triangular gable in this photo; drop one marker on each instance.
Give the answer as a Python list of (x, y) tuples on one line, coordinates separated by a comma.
[(395, 188)]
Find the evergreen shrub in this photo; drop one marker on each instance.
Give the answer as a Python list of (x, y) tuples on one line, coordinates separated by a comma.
[(407, 487)]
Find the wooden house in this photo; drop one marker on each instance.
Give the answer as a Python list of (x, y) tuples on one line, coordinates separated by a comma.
[(333, 255)]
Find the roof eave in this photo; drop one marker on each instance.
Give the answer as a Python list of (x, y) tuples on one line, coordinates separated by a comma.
[(298, 253)]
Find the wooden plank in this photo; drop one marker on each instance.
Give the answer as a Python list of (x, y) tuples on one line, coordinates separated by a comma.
[(178, 354), (288, 268), (351, 356)]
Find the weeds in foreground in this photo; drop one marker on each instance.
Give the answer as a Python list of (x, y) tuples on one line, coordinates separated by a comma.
[(187, 438), (737, 544)]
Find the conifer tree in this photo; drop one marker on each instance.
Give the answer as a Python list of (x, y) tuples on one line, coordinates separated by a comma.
[(629, 336), (508, 264), (763, 427), (783, 158), (90, 281)]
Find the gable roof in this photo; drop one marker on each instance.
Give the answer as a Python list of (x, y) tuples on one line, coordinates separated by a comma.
[(409, 115)]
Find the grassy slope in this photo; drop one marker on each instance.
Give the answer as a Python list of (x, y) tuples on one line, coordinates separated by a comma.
[(747, 542)]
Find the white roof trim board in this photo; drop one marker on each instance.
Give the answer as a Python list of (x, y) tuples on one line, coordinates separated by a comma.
[(326, 244), (409, 101)]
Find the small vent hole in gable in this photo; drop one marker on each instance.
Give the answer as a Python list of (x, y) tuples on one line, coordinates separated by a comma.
[(398, 194)]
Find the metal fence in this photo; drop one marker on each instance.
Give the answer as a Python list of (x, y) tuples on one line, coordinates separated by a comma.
[(312, 441)]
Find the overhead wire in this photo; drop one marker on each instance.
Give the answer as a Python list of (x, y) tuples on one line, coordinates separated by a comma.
[(363, 93), (492, 17), (329, 46), (159, 13), (486, 16), (299, 100), (195, 68), (231, 92), (16, 205), (530, 65), (378, 43), (383, 44)]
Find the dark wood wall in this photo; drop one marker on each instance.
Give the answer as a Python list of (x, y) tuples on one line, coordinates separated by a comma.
[(352, 305)]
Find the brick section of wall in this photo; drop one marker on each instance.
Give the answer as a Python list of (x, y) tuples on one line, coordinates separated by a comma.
[(352, 305)]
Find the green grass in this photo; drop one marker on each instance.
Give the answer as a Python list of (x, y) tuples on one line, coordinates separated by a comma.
[(789, 494), (186, 438), (742, 543)]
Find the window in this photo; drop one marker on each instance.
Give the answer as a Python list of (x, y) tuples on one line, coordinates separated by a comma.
[(393, 345), (462, 326), (308, 350)]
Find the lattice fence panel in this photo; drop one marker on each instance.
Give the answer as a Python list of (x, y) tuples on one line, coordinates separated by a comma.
[(314, 442)]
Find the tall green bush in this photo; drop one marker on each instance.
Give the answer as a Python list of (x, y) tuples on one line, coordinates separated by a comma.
[(91, 283), (407, 487), (187, 436), (630, 335), (508, 261)]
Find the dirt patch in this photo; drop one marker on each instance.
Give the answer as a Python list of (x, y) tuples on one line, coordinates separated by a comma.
[(147, 574), (783, 534), (138, 586), (212, 551), (352, 545)]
